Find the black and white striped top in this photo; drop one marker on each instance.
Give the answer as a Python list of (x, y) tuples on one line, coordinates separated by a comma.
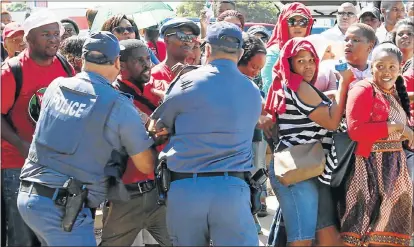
[(296, 128)]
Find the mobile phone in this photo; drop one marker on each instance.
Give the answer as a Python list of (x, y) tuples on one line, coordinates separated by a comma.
[(341, 66)]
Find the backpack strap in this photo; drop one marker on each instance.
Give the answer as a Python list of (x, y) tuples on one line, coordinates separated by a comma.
[(16, 69), (65, 64), (122, 87)]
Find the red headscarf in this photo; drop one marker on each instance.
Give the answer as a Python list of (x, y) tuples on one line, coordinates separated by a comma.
[(275, 102), (281, 31)]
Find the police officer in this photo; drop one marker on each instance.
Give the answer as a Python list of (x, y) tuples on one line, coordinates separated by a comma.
[(84, 129), (210, 114)]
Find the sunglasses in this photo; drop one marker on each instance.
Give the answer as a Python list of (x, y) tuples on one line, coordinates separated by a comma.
[(349, 14), (183, 36), (123, 29), (292, 22)]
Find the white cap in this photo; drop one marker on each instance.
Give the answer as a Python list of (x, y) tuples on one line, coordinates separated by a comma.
[(41, 18)]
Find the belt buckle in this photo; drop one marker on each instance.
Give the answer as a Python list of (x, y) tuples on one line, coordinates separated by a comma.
[(139, 187)]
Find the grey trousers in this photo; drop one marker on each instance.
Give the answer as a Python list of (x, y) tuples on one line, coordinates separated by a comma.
[(124, 220)]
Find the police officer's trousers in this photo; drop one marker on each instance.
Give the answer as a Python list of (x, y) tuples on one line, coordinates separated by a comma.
[(216, 208), (45, 218)]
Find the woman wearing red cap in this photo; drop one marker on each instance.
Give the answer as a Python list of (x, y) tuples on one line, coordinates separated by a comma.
[(304, 115)]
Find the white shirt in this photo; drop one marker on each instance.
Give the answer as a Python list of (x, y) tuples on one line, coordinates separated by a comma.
[(382, 34), (334, 34)]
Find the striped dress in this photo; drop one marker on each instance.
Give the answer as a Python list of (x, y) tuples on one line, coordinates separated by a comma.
[(295, 128)]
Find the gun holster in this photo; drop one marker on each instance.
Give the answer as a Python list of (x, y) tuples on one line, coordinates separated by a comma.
[(76, 197), (256, 183), (162, 181)]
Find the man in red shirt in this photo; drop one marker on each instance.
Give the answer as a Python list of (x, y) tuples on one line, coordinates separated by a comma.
[(125, 220), (13, 39), (39, 67), (152, 35), (179, 36)]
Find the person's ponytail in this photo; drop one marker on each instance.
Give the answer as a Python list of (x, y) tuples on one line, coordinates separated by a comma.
[(403, 95)]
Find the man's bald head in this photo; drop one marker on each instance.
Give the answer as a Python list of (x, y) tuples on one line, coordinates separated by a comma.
[(347, 15), (347, 6)]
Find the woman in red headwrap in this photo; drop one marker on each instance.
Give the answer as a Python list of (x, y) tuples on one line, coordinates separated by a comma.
[(305, 115), (295, 20)]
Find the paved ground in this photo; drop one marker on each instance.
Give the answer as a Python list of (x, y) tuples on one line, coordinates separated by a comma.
[(265, 222)]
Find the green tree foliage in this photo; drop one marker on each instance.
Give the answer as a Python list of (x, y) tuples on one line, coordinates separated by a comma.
[(253, 11), (17, 6)]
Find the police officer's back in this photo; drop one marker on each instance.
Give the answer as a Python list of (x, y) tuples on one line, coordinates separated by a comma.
[(211, 113), (84, 130)]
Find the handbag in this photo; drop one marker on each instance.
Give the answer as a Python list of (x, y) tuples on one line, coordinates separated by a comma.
[(345, 148), (299, 163)]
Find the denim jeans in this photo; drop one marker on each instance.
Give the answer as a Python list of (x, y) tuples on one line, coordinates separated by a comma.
[(18, 233)]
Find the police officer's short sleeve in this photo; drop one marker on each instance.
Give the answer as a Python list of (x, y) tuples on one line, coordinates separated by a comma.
[(132, 132)]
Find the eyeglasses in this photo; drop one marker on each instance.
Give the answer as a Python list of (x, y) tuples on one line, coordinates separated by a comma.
[(183, 36), (349, 14), (292, 22), (120, 29)]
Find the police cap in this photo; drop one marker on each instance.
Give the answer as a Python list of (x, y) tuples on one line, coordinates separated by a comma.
[(103, 42), (222, 32)]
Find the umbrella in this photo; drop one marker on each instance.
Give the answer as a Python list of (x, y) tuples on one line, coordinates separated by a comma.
[(145, 14)]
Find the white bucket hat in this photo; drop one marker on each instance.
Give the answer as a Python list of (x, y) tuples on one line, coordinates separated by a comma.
[(41, 18)]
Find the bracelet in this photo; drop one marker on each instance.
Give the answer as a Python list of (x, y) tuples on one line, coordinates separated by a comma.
[(402, 132)]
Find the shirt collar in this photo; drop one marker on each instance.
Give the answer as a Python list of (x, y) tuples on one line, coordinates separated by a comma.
[(130, 85), (224, 62), (93, 77), (338, 31)]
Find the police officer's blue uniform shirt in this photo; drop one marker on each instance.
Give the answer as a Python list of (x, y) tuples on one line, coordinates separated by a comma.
[(211, 113), (124, 130)]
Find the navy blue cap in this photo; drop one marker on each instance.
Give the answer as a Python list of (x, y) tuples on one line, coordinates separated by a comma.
[(259, 29), (180, 22), (218, 32), (103, 42)]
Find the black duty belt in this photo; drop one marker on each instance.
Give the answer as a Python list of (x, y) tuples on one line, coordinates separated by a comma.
[(179, 175), (41, 190), (141, 187)]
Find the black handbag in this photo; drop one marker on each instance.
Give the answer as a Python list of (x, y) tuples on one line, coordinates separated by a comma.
[(345, 148)]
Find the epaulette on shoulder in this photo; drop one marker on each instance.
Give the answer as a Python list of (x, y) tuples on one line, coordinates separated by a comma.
[(184, 82)]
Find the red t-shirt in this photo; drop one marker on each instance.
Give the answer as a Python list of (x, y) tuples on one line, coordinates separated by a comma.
[(132, 174), (409, 83), (35, 77), (161, 51), (161, 77)]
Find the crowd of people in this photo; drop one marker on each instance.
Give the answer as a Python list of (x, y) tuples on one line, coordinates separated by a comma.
[(100, 114)]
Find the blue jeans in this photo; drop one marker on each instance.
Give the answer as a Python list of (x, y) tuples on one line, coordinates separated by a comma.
[(18, 233), (45, 218), (306, 206), (299, 204), (216, 208)]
